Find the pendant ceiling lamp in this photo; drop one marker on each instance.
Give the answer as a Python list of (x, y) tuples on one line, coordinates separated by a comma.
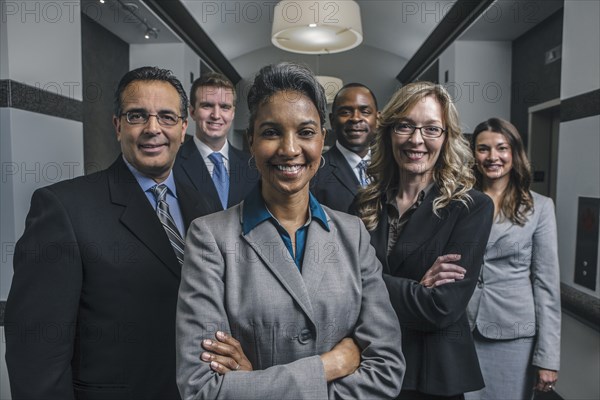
[(316, 27)]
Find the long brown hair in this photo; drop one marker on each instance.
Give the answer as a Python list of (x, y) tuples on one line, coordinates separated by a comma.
[(516, 201), (452, 172)]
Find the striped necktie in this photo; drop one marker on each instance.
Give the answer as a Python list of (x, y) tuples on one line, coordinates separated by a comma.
[(220, 178), (362, 172), (162, 210)]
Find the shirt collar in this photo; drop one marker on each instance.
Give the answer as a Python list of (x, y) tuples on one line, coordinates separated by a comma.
[(206, 151), (352, 158), (147, 183), (255, 211), (391, 195)]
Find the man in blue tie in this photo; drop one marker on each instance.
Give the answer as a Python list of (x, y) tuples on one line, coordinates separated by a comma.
[(219, 171), (353, 120)]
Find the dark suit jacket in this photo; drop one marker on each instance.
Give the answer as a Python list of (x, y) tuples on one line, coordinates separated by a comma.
[(335, 185), (91, 310), (436, 339), (190, 169)]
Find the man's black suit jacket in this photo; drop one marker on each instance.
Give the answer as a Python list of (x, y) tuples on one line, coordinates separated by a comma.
[(191, 169), (436, 339), (91, 310), (335, 184)]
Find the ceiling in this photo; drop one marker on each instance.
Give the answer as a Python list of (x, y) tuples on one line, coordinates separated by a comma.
[(239, 28), (393, 31), (122, 18)]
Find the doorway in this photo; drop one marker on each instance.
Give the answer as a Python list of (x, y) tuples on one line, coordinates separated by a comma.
[(542, 149)]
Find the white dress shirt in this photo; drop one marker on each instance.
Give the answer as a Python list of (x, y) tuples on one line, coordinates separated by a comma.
[(206, 151), (353, 159)]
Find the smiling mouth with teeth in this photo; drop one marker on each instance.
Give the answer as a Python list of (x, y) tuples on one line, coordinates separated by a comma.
[(413, 154), (289, 168)]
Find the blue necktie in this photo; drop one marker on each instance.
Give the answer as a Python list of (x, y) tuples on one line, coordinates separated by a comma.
[(220, 178), (162, 210), (362, 173)]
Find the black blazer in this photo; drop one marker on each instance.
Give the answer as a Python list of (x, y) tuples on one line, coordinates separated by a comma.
[(335, 185), (190, 168), (436, 339), (91, 311)]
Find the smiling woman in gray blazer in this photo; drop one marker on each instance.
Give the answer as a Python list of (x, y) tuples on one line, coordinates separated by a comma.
[(515, 310), (297, 284)]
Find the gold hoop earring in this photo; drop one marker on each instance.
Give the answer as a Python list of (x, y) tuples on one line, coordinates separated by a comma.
[(322, 162)]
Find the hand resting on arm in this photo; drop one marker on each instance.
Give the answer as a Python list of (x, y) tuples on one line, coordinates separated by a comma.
[(225, 354)]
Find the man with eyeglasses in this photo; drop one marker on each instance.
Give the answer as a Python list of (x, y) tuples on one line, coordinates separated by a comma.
[(91, 310), (209, 162), (353, 118)]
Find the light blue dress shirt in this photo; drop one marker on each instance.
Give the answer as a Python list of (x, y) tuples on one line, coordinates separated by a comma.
[(148, 183)]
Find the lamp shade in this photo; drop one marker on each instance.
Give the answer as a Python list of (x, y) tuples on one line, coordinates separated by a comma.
[(331, 84), (316, 27)]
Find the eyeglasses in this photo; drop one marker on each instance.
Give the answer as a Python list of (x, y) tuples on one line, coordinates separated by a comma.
[(428, 132), (142, 117)]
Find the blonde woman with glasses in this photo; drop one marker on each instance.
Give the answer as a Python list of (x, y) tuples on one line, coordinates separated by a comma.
[(429, 229)]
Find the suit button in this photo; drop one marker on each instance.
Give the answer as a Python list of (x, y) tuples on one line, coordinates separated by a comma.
[(305, 336), (479, 284)]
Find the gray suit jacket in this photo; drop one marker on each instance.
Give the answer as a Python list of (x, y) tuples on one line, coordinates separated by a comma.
[(518, 292), (249, 286)]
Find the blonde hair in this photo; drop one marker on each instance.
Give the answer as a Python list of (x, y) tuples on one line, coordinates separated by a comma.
[(452, 172)]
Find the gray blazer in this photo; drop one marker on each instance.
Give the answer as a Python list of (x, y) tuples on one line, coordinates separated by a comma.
[(249, 286), (518, 292)]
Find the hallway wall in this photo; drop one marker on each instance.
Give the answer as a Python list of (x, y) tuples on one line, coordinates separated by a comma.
[(578, 166)]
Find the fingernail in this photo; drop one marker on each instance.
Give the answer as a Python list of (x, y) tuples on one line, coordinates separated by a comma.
[(214, 365), (220, 335), (208, 342), (205, 356)]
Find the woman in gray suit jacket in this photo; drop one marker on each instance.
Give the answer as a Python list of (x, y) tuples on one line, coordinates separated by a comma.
[(297, 284), (429, 229), (515, 310)]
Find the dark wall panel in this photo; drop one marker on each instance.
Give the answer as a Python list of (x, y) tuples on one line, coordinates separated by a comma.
[(105, 59), (534, 81), (432, 73)]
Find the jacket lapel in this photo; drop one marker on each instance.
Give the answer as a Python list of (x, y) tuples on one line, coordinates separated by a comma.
[(343, 171), (379, 239), (498, 230), (138, 215), (421, 226), (194, 167), (235, 180), (193, 205), (313, 268), (261, 239)]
